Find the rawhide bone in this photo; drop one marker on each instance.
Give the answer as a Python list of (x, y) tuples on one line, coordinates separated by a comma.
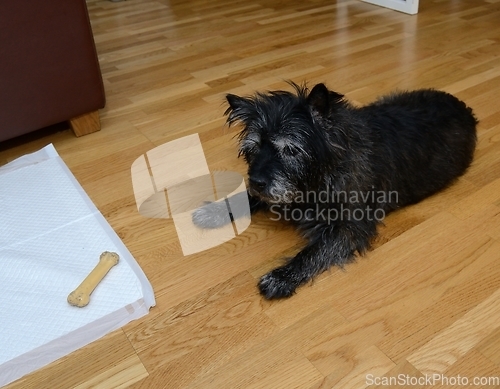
[(80, 297)]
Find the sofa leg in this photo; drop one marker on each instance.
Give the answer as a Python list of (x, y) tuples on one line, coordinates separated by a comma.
[(86, 124)]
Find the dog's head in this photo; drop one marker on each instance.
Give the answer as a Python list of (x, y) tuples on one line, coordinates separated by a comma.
[(287, 139)]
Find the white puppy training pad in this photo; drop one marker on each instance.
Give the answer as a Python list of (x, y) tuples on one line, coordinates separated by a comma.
[(51, 237)]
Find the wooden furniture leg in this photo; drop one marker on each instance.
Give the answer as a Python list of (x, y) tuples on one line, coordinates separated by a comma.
[(86, 124)]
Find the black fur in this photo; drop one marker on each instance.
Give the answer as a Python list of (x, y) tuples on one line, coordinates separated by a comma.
[(408, 144)]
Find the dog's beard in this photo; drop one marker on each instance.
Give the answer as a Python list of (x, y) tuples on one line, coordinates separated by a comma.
[(278, 193)]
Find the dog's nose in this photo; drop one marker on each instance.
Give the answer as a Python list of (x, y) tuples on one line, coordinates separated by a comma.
[(257, 184)]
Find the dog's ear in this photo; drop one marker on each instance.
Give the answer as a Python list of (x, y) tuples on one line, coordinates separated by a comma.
[(321, 98), (240, 109), (318, 98), (235, 102)]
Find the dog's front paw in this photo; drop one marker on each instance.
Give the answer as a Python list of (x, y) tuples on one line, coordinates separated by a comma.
[(277, 284), (211, 215)]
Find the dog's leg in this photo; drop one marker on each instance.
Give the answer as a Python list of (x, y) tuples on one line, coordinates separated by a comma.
[(332, 245), (215, 214)]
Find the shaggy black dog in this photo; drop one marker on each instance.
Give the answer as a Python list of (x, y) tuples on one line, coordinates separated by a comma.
[(336, 170)]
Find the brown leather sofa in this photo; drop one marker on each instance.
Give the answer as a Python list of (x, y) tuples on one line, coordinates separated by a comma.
[(49, 72)]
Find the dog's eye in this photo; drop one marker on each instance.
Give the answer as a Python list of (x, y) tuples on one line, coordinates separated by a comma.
[(254, 145), (249, 147)]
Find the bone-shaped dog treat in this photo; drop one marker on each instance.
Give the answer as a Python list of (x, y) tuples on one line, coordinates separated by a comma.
[(80, 297)]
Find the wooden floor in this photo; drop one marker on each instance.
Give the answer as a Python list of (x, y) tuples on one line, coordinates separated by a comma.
[(424, 303)]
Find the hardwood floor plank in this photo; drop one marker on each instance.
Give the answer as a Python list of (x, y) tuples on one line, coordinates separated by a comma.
[(448, 346), (471, 285), (111, 358), (122, 375), (369, 363), (490, 347)]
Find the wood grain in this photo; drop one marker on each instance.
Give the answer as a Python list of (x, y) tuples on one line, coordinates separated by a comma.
[(447, 347), (424, 300)]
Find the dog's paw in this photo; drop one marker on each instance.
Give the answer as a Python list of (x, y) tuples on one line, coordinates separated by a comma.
[(211, 215), (277, 284)]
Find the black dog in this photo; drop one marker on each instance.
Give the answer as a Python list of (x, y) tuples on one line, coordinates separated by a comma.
[(336, 170)]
